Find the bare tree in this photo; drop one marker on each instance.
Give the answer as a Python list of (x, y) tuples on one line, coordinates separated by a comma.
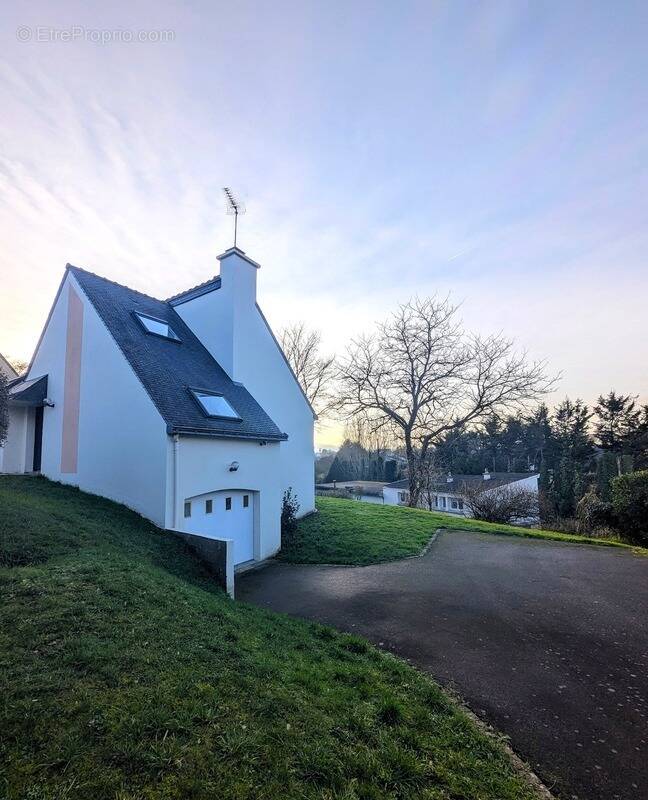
[(374, 440), (504, 504), (424, 375), (315, 373), (19, 365), (429, 476)]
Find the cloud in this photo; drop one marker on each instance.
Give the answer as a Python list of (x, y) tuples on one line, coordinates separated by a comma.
[(489, 154)]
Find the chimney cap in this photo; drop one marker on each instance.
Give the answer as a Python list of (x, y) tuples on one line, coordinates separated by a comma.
[(236, 251)]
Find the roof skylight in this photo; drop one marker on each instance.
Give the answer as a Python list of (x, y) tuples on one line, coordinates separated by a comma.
[(158, 327), (214, 405)]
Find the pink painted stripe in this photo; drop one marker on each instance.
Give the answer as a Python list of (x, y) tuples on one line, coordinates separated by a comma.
[(72, 388)]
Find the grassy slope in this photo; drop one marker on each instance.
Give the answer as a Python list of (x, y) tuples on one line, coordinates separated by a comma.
[(126, 675), (353, 532)]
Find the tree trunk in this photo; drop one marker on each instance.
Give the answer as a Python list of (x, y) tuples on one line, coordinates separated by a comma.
[(413, 473)]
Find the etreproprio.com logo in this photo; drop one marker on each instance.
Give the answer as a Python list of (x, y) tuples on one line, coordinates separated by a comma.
[(79, 33)]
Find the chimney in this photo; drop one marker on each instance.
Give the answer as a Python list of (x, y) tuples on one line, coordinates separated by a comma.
[(238, 275), (486, 474), (224, 316), (237, 301)]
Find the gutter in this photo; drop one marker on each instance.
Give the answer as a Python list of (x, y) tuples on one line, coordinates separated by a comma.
[(176, 454), (175, 430)]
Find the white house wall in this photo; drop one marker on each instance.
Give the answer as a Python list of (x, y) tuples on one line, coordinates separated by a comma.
[(16, 455), (267, 376), (231, 326), (203, 467), (390, 496), (121, 437), (49, 359)]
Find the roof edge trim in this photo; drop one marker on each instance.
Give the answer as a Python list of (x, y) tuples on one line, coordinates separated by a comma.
[(231, 251), (283, 355), (182, 430), (196, 291)]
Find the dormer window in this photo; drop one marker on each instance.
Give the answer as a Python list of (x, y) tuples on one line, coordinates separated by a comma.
[(214, 404), (158, 327)]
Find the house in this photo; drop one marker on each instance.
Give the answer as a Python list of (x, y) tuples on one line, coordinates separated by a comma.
[(6, 369), (10, 374), (449, 494), (184, 409)]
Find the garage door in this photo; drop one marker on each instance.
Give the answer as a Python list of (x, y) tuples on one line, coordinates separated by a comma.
[(226, 515)]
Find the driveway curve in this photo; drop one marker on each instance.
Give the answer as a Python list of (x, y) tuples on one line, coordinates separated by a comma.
[(547, 642)]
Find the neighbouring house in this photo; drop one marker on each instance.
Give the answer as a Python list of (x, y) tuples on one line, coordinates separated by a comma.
[(368, 491), (184, 409), (6, 369), (449, 494), (10, 375)]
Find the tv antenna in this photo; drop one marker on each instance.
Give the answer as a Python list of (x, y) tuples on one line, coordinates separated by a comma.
[(234, 207)]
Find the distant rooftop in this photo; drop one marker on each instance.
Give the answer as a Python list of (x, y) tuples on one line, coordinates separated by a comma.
[(460, 482)]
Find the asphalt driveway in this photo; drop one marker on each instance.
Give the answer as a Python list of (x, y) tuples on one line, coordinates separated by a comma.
[(546, 641)]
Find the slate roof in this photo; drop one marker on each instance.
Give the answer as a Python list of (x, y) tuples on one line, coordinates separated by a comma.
[(460, 482), (167, 369)]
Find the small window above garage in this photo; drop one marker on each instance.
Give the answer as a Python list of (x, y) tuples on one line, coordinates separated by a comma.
[(214, 404), (158, 327)]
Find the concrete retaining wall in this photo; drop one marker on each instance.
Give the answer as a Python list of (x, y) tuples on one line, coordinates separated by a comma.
[(217, 554)]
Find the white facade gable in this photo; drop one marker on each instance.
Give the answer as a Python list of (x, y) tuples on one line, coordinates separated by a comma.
[(119, 443)]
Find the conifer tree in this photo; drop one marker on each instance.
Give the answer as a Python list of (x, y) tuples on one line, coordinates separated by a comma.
[(564, 487), (570, 428), (606, 469), (638, 444), (546, 501), (616, 425)]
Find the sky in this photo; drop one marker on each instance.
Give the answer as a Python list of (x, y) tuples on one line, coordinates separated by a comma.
[(497, 151)]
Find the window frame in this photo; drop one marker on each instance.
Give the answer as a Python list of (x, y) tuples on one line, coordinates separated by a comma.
[(246, 501), (194, 391), (228, 504), (140, 316), (209, 506), (187, 509)]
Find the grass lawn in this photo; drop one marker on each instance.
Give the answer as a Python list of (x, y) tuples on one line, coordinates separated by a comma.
[(352, 532), (126, 675)]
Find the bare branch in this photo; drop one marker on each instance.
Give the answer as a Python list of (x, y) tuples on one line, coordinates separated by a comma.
[(504, 504), (315, 373)]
